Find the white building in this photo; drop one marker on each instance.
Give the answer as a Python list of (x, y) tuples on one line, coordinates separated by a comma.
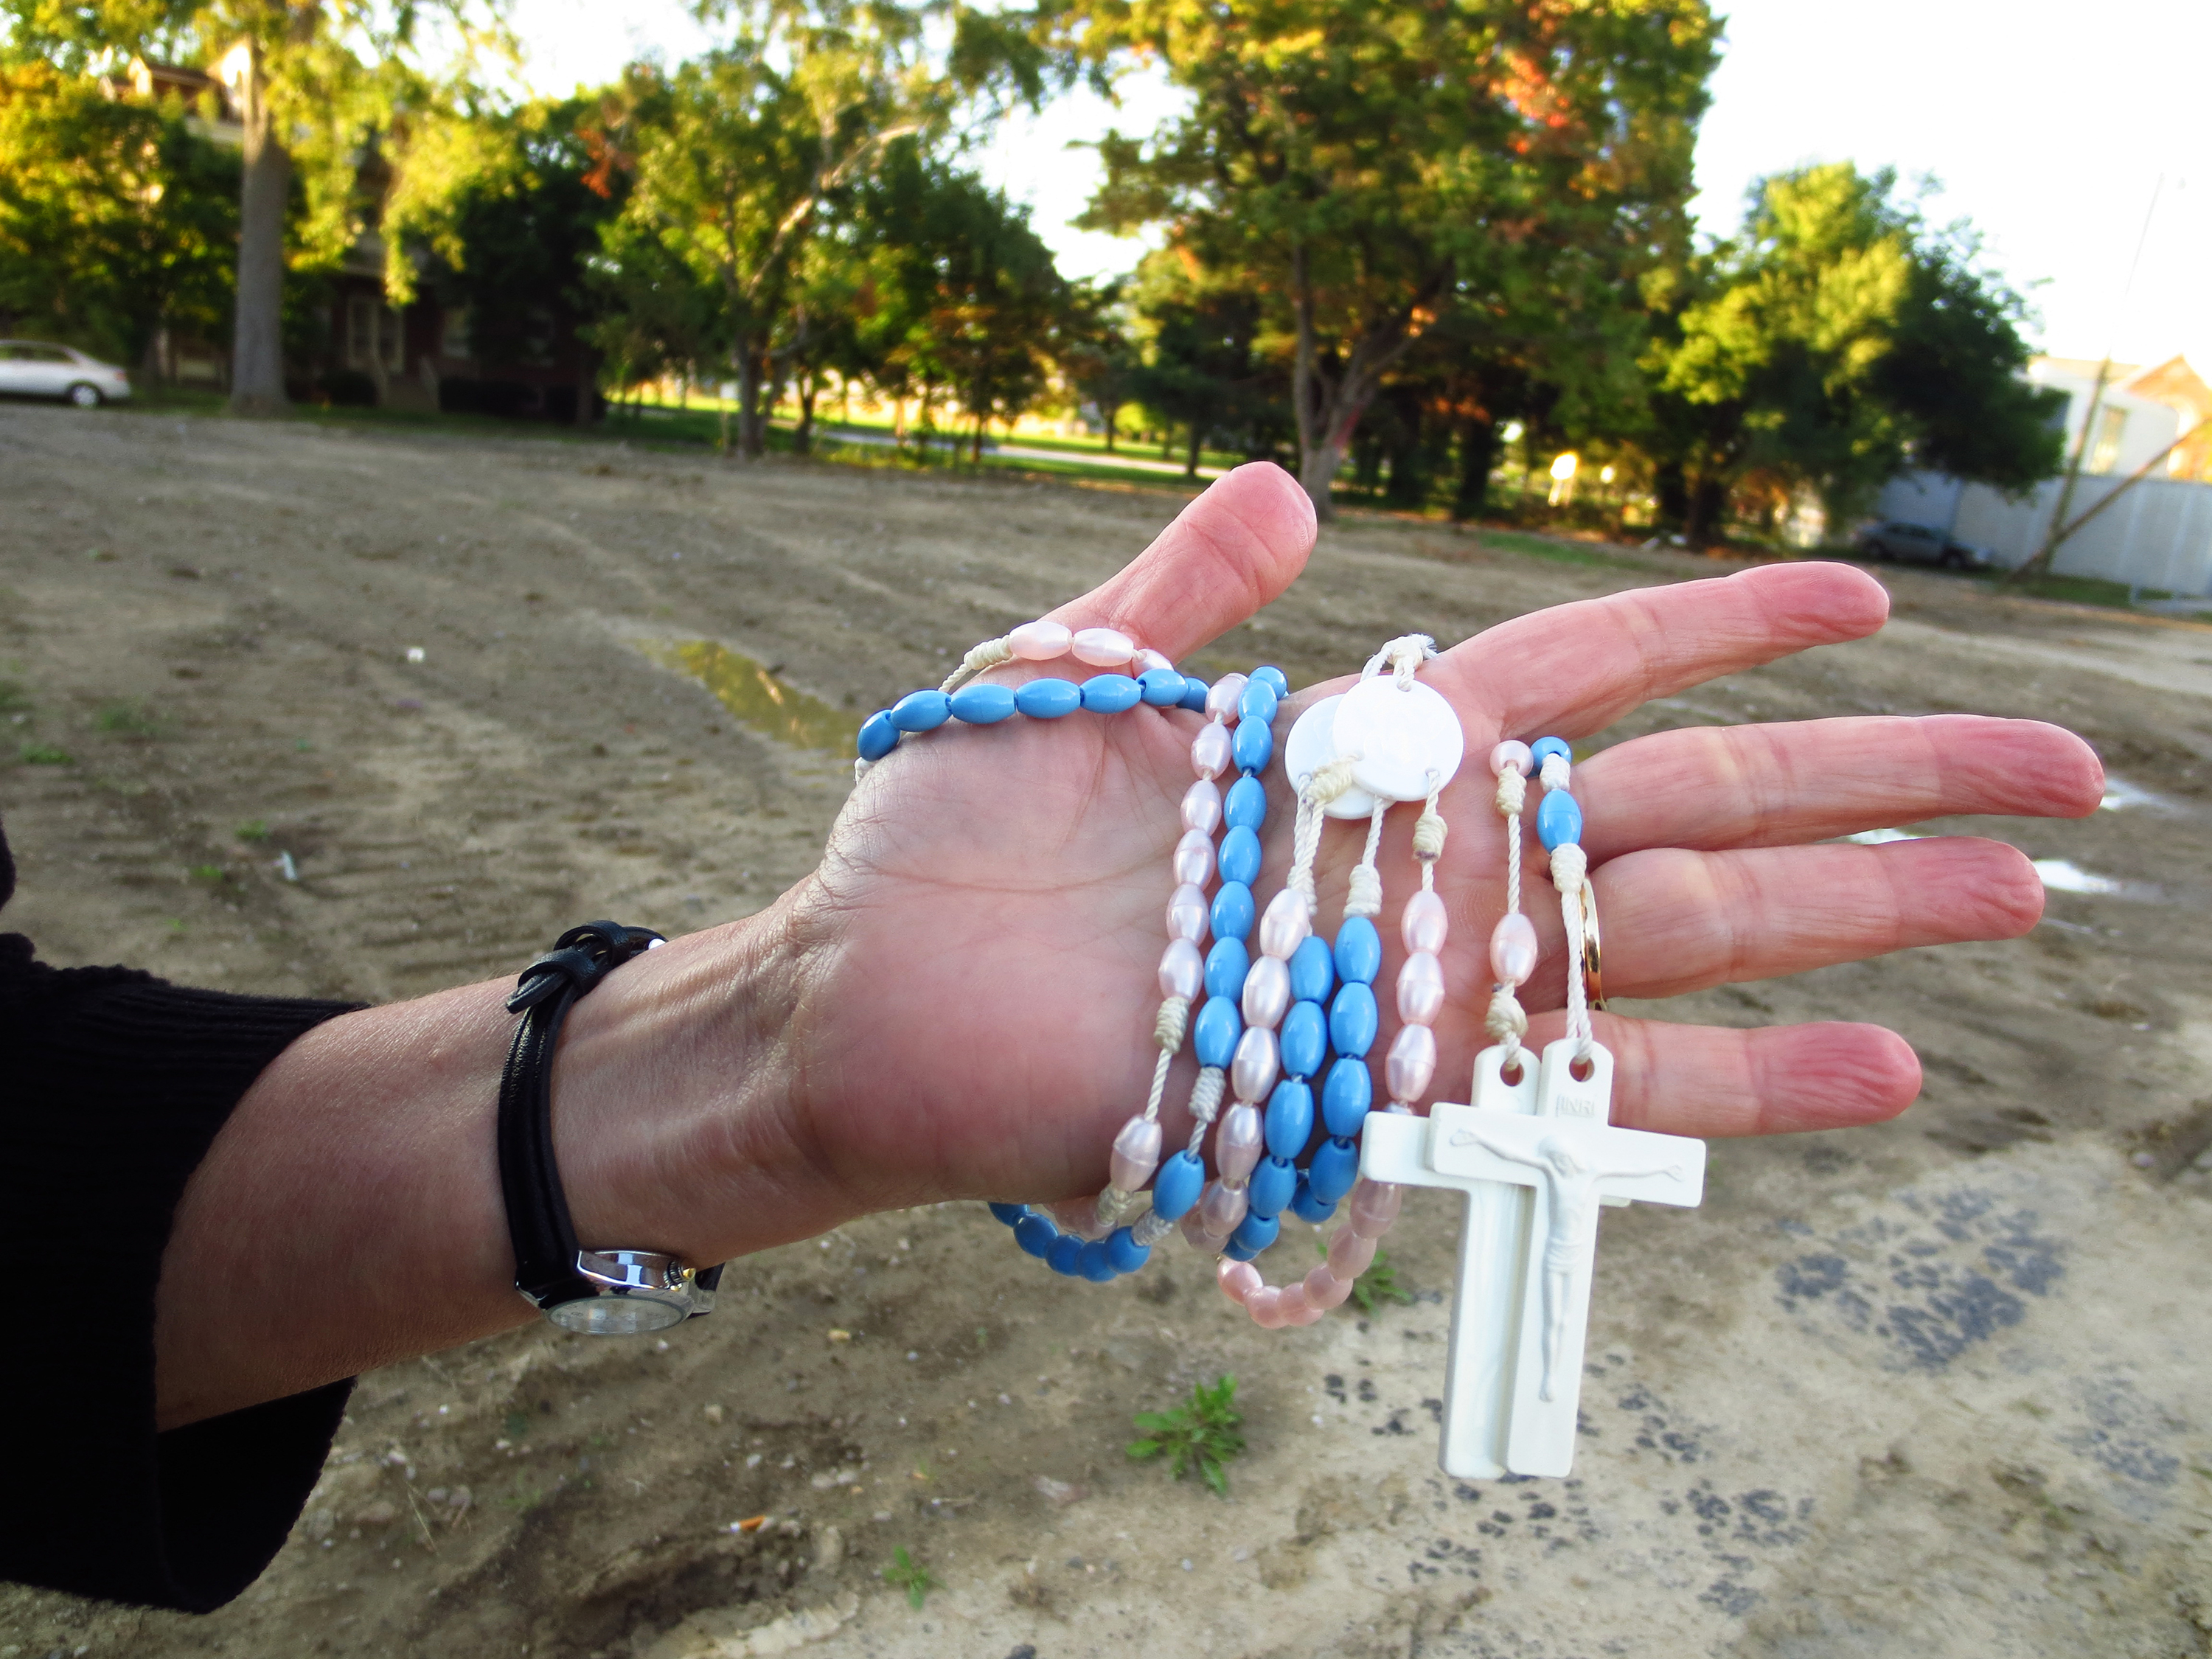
[(2158, 535)]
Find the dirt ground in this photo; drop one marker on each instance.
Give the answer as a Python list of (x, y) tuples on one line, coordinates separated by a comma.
[(1932, 1388)]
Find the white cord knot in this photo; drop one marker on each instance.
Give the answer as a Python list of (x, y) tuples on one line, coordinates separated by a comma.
[(1365, 898), (1556, 771), (1116, 1206), (1206, 1100), (860, 771), (1512, 793), (1167, 1028), (1570, 864), (1401, 656), (1429, 831), (1507, 1021), (1326, 783), (989, 654)]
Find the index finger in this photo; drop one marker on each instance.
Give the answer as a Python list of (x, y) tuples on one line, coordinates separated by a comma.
[(1575, 669)]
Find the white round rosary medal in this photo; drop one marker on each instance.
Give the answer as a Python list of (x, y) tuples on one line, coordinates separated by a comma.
[(1407, 740), (1312, 746)]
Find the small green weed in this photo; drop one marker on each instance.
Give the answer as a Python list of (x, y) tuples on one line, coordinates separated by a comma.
[(1201, 1435), (253, 829), (1379, 1284), (123, 719), (909, 1575), (517, 1424), (44, 753), (208, 872), (523, 1499)]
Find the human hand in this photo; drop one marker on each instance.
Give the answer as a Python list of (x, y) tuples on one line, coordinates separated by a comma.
[(977, 949)]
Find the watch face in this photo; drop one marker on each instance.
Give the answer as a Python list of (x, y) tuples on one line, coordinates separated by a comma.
[(617, 1314)]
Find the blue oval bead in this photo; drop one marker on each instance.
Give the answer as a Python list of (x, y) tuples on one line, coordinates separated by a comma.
[(1048, 700), (1545, 747), (921, 711), (1558, 820), (1313, 977), (1247, 806), (983, 705), (1010, 1213), (1095, 1262), (1304, 1039), (1257, 702), (1335, 1167), (1226, 964), (1256, 1233), (1035, 1234), (1110, 694), (1126, 1254), (1359, 951), (1253, 745), (1273, 678), (1176, 1187), (1194, 694), (1308, 1207), (1289, 1118), (1274, 1183), (1066, 1255), (1346, 1097), (1240, 856), (1214, 1034), (1236, 1252), (1161, 687), (879, 736), (1352, 1020), (1232, 910)]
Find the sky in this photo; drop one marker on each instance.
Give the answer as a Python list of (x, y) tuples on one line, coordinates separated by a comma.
[(2049, 125)]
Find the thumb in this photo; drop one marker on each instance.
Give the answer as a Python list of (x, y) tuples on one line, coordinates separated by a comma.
[(1231, 551)]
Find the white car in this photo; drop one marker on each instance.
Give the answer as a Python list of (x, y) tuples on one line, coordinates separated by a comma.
[(33, 369)]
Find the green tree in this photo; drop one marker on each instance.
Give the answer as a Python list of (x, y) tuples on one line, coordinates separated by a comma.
[(1199, 369), (1837, 340), (1364, 167), (1096, 354), (116, 218)]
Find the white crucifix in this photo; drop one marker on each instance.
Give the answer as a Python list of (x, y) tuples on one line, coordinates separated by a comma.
[(1535, 1158)]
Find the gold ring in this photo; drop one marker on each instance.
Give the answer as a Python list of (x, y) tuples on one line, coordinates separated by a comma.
[(1593, 969)]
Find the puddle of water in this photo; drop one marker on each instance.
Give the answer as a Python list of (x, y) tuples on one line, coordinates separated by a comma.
[(758, 698), (2064, 876), (2120, 795)]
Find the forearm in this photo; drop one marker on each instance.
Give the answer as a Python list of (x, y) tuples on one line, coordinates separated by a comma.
[(349, 1214)]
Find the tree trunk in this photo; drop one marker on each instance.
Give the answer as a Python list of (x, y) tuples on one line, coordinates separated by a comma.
[(802, 439), (749, 441), (1708, 502), (1190, 468), (1478, 450), (587, 384), (257, 378), (1109, 410)]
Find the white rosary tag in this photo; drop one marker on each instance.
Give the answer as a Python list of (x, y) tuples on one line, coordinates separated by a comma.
[(1312, 746), (1404, 741)]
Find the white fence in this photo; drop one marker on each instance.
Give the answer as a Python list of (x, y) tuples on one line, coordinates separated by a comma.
[(2158, 535)]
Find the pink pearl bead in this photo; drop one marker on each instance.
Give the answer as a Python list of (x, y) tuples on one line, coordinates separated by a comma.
[(1412, 1064), (1420, 989), (1309, 1316), (1350, 1255), (1147, 660), (1291, 1304), (1136, 1153), (1193, 858), (1209, 750), (1186, 915), (1221, 697), (1040, 641), (1104, 647), (1222, 1208), (1237, 1279), (1423, 927), (1193, 1232), (1252, 1074), (1375, 1206), (1266, 991), (1261, 1304), (1201, 807), (1325, 1290), (1286, 925), (1513, 754), (1182, 970), (1513, 949), (1242, 1138)]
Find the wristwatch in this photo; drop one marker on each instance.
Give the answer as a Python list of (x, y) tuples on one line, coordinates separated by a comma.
[(596, 1292)]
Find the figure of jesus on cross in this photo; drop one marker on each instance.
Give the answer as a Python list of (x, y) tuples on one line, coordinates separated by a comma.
[(1536, 1159)]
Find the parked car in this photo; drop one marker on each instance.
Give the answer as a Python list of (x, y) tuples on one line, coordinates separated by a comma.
[(34, 369), (1917, 544)]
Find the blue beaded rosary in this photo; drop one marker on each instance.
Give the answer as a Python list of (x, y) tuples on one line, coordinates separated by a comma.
[(1240, 1052)]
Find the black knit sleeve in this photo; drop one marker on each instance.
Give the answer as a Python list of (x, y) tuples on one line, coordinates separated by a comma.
[(115, 1085)]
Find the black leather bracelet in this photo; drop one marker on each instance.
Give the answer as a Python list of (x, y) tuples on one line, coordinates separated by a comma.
[(546, 1266)]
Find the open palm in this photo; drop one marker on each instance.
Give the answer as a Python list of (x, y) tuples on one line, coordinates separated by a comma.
[(979, 943)]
